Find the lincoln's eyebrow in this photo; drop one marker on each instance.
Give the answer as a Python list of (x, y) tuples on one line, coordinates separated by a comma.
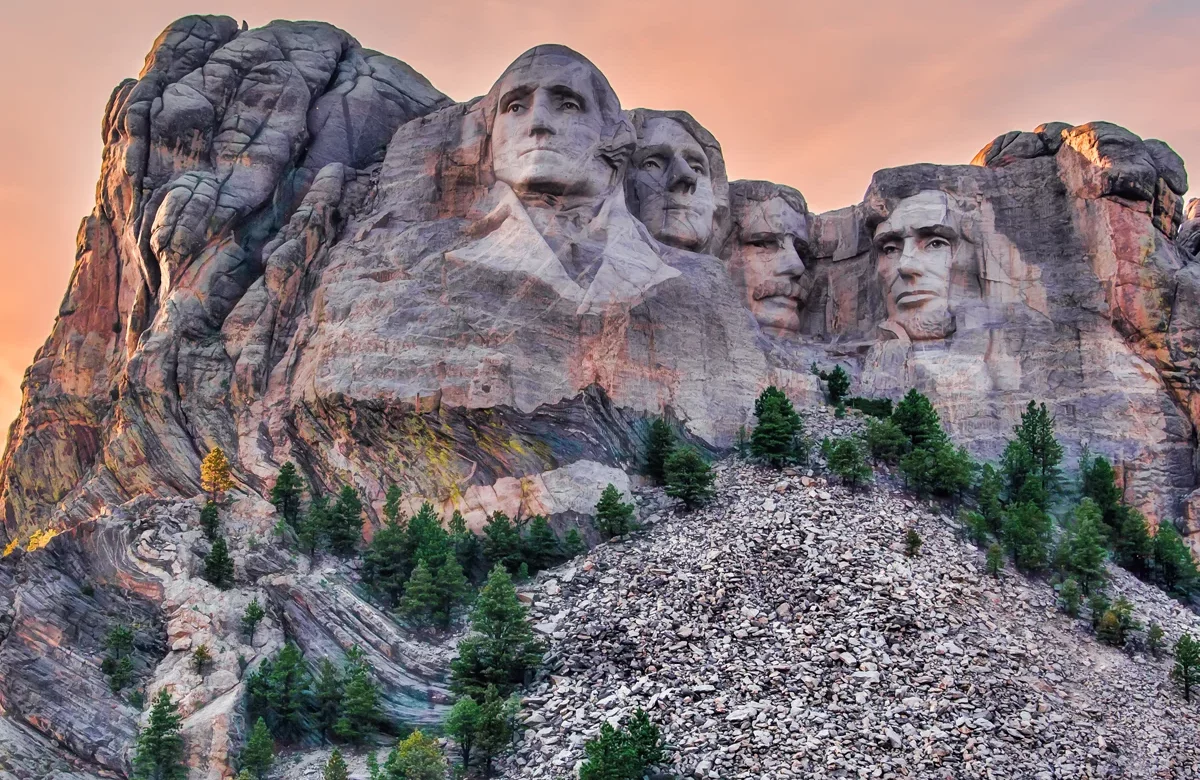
[(891, 235), (942, 231), (513, 95)]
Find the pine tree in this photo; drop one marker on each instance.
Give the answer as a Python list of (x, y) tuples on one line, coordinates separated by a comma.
[(201, 658), (387, 564), (451, 586), (335, 768), (159, 753), (1098, 482), (995, 560), (847, 462), (1027, 534), (417, 757), (1174, 566), (1133, 547), (624, 754), (918, 420), (218, 566), (886, 442), (1036, 432), (345, 522), (502, 542), (912, 543), (427, 540), (541, 547), (467, 547), (573, 544), (391, 504), (1186, 671), (1069, 597), (280, 692), (210, 520), (838, 384), (494, 733), (286, 494), (1154, 639), (420, 596), (251, 618), (1084, 547), (613, 517), (501, 647), (360, 710), (975, 528), (328, 694), (689, 477), (214, 475), (315, 524), (259, 753), (462, 724), (774, 437), (990, 488), (1022, 482), (658, 448)]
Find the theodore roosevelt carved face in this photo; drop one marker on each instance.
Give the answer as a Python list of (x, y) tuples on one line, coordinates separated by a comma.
[(916, 249)]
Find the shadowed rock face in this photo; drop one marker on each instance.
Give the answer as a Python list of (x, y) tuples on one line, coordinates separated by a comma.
[(303, 251)]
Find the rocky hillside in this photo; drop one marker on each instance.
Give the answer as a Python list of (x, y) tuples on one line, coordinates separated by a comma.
[(783, 632)]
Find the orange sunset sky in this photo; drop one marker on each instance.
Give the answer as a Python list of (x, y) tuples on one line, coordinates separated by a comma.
[(814, 95)]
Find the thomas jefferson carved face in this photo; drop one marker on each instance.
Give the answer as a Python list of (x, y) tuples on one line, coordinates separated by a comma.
[(767, 262), (673, 184), (916, 248), (549, 127)]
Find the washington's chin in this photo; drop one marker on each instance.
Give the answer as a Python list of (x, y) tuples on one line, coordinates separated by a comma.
[(680, 232)]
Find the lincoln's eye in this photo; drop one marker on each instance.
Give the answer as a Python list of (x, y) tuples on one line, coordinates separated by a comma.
[(891, 250)]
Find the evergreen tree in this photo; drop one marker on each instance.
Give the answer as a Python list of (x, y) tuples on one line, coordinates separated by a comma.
[(360, 710), (344, 529), (1186, 671), (214, 475), (975, 528), (259, 753), (918, 420), (1069, 597), (218, 566), (210, 520), (624, 754), (119, 640), (995, 560), (774, 437), (990, 488), (280, 692), (939, 469), (1098, 605), (335, 768), (573, 544), (117, 664), (251, 618), (541, 547), (462, 724), (838, 384), (386, 562), (451, 586), (467, 547), (689, 477), (417, 757), (847, 462), (328, 695), (1022, 481), (1027, 534), (286, 494), (613, 517), (1154, 639), (391, 504), (494, 733), (1098, 482), (658, 448), (886, 442), (159, 753), (427, 540), (1084, 547), (912, 543), (1117, 623), (1174, 566), (201, 658), (1036, 432), (313, 528), (420, 596), (501, 647), (502, 542), (1133, 547)]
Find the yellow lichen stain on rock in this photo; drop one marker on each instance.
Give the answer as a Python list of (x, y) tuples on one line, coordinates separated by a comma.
[(39, 539)]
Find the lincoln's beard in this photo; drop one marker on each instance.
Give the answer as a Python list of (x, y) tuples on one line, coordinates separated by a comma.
[(928, 322)]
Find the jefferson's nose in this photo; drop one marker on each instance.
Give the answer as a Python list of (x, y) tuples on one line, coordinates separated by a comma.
[(681, 177), (788, 262)]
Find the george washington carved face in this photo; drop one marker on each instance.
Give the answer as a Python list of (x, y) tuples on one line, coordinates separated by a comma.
[(553, 117), (916, 249)]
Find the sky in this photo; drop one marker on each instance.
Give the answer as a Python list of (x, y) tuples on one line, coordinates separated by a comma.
[(816, 95)]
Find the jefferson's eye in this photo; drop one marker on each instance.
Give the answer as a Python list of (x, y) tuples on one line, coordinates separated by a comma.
[(569, 105)]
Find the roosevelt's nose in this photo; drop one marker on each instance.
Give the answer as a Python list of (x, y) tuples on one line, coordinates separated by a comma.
[(541, 117), (681, 177), (788, 262)]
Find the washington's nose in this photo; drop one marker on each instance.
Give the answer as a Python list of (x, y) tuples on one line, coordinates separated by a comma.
[(681, 177), (540, 118)]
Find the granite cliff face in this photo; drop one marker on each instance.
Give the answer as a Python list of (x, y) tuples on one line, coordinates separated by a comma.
[(302, 251)]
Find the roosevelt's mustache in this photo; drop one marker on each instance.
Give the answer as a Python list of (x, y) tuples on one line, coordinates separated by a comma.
[(783, 287)]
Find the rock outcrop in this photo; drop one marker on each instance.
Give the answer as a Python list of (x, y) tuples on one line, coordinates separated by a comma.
[(302, 251)]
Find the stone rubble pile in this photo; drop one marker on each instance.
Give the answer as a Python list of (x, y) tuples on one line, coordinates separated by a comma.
[(782, 632)]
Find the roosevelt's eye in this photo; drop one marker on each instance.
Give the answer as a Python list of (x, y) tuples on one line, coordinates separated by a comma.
[(764, 243)]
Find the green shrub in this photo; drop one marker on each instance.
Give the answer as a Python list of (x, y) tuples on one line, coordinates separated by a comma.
[(846, 460), (689, 477), (613, 516), (886, 442), (880, 408), (625, 754), (912, 543)]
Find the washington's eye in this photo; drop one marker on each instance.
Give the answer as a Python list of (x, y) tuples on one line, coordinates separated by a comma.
[(515, 108)]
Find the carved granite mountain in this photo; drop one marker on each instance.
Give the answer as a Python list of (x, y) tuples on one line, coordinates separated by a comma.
[(302, 251)]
